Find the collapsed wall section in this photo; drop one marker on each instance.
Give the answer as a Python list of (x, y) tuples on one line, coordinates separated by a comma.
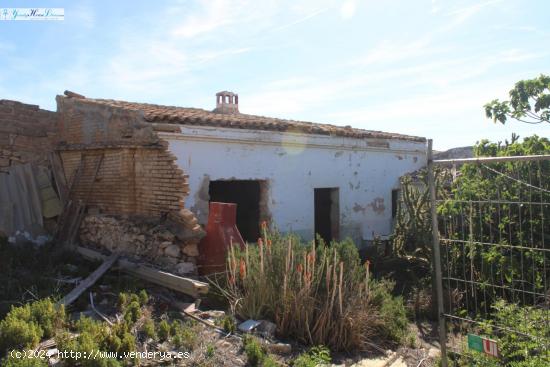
[(125, 174)]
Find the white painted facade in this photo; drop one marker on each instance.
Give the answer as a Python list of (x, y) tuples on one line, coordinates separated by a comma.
[(293, 164)]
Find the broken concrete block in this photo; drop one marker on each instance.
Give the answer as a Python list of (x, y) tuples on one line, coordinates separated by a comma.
[(165, 244)]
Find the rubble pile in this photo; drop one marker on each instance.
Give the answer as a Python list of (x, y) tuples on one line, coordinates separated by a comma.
[(143, 239)]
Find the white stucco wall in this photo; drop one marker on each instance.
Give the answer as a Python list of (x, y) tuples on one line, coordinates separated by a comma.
[(294, 164)]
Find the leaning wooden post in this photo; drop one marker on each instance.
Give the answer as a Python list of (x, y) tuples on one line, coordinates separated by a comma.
[(437, 257)]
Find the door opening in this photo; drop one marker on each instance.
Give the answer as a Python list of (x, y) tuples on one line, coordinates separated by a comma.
[(327, 213), (246, 194)]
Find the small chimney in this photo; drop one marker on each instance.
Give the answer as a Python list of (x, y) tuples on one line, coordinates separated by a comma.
[(227, 102)]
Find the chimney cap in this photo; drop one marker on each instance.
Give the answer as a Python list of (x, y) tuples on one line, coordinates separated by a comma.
[(225, 93), (227, 102)]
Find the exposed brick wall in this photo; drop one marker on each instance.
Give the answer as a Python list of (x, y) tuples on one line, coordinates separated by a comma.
[(85, 122), (27, 133), (140, 180)]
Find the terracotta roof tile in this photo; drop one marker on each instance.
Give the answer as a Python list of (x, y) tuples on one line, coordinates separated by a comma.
[(196, 116)]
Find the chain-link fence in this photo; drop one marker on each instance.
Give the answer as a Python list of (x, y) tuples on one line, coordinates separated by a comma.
[(492, 256)]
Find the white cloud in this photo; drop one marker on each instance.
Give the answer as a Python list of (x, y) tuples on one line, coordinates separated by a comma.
[(314, 13), (459, 16), (213, 15), (435, 7), (391, 51), (348, 9)]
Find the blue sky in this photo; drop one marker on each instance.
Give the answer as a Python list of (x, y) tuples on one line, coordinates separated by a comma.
[(419, 67)]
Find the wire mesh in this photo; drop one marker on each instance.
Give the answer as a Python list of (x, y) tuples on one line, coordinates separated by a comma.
[(494, 238)]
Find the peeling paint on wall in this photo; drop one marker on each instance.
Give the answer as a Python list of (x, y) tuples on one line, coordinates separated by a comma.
[(361, 175), (378, 206), (358, 208), (202, 198)]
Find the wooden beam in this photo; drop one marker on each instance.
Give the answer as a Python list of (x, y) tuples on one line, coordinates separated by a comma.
[(184, 285), (89, 281)]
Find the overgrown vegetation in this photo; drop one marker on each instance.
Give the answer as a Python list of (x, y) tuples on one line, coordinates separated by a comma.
[(410, 257), (524, 348), (513, 221), (94, 335), (315, 356), (25, 326), (318, 295), (495, 214)]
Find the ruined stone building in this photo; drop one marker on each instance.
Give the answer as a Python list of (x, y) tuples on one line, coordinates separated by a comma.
[(135, 160)]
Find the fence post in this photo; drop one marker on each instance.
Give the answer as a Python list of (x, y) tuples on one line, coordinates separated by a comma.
[(437, 257)]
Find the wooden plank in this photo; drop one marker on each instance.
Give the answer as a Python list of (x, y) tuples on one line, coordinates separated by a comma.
[(89, 281), (184, 285), (59, 177)]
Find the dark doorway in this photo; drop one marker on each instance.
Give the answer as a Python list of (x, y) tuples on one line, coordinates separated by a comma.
[(327, 213), (246, 194)]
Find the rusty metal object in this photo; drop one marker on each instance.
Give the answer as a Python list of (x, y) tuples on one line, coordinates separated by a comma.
[(221, 232)]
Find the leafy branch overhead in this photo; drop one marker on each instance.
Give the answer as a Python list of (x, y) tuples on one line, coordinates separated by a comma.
[(529, 102)]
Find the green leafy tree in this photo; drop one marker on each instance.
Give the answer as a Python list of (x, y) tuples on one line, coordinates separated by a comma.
[(529, 102)]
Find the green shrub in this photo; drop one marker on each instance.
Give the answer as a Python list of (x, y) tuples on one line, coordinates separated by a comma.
[(143, 297), (210, 351), (16, 333), (318, 355), (228, 324), (394, 324), (515, 350), (47, 315), (163, 330), (128, 343), (92, 336), (122, 301), (23, 362), (255, 352), (148, 329), (183, 335), (97, 336), (26, 325), (133, 298), (132, 312), (316, 294), (269, 362)]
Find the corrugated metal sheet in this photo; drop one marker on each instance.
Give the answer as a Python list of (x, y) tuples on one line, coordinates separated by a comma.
[(26, 196)]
